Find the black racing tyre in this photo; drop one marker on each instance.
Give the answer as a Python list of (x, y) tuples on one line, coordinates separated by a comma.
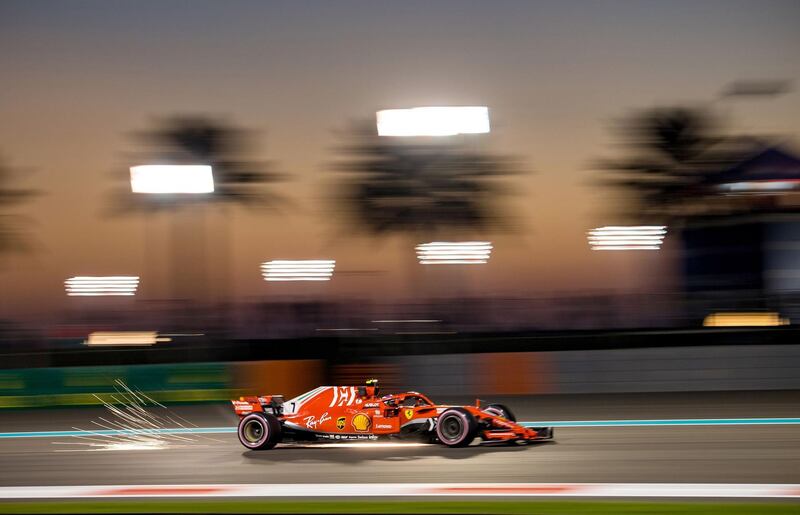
[(259, 431), (500, 410), (456, 427)]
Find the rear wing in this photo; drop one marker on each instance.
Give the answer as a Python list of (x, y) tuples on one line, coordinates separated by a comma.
[(263, 404)]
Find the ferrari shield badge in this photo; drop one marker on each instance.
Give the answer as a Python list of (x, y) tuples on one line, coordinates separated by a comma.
[(408, 413)]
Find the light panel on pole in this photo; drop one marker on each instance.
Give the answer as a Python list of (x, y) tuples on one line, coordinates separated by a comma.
[(298, 270), (454, 252), (172, 179), (642, 237), (433, 121), (102, 286)]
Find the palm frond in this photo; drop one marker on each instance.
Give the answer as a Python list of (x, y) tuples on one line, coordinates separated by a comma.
[(388, 186), (13, 235), (671, 151), (238, 180)]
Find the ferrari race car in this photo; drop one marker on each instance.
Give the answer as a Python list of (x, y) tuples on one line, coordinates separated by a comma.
[(345, 413)]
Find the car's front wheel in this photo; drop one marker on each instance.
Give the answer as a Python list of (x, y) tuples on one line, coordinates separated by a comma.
[(259, 431), (456, 427)]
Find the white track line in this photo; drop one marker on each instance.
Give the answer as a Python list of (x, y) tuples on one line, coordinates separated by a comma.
[(677, 490)]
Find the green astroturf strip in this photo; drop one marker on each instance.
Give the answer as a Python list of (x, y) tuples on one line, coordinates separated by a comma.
[(534, 507)]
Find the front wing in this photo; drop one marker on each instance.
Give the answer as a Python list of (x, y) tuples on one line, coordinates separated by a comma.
[(500, 429)]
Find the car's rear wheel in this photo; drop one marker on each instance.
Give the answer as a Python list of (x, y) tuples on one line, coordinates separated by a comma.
[(500, 410), (456, 427), (259, 431)]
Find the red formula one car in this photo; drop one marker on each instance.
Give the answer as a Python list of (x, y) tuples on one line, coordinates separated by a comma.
[(342, 413)]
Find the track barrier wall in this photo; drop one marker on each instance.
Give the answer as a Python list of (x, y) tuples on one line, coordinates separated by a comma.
[(184, 382), (663, 369)]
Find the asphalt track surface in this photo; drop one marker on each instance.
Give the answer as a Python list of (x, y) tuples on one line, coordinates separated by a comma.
[(664, 454)]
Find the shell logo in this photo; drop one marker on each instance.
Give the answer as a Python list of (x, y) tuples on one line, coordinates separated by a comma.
[(361, 422)]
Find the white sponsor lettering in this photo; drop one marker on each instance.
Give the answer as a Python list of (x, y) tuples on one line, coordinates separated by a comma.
[(383, 426), (346, 437), (311, 421)]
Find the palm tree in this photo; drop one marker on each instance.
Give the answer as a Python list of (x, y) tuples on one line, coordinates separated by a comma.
[(12, 235), (671, 173), (671, 152), (203, 140), (420, 188), (238, 181), (12, 239)]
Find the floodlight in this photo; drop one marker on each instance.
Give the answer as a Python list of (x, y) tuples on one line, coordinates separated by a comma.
[(454, 253), (172, 179), (88, 286), (433, 121), (299, 270), (643, 237)]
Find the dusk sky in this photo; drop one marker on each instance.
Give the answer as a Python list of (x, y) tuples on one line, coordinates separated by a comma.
[(78, 77)]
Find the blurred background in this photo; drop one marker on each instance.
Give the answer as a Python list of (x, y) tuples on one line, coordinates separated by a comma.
[(589, 211), (207, 199)]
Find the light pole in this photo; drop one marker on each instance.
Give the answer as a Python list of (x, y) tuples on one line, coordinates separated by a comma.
[(179, 181), (417, 123), (616, 238)]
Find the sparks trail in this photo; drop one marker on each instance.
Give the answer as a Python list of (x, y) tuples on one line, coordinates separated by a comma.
[(135, 424)]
